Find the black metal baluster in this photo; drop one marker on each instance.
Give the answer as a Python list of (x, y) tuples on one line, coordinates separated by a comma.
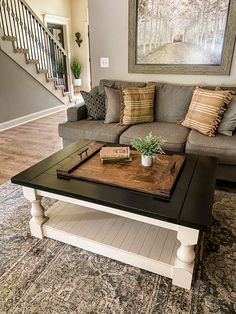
[(22, 25), (60, 65), (5, 15), (42, 47), (56, 62), (37, 51), (9, 18), (66, 73), (13, 18), (25, 28), (47, 47), (30, 35), (19, 23), (39, 45), (2, 18), (34, 36)]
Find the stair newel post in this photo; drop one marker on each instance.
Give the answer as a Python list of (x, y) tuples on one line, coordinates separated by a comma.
[(2, 18)]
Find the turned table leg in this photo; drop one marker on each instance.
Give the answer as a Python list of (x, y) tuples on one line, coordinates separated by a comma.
[(37, 212), (184, 264)]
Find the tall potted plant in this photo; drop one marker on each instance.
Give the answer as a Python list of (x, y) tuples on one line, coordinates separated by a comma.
[(76, 70), (148, 147)]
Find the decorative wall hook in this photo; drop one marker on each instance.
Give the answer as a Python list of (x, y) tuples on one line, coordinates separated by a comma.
[(78, 38)]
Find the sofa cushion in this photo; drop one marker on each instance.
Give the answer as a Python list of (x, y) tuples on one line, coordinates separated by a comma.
[(118, 84), (228, 123), (113, 104), (172, 101), (221, 146), (137, 105), (206, 110), (92, 130), (175, 134)]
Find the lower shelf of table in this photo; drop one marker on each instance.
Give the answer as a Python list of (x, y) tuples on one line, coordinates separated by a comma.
[(139, 244)]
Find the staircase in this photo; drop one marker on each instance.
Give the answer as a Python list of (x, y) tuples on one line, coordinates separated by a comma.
[(25, 39)]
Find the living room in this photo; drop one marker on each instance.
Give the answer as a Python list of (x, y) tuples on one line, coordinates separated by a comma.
[(48, 276)]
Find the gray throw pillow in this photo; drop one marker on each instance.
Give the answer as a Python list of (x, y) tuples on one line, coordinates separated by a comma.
[(113, 104), (172, 101), (95, 105), (228, 123)]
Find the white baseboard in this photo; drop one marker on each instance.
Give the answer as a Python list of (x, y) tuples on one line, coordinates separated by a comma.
[(30, 117)]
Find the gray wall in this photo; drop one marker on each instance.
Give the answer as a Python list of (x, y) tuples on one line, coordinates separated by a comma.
[(108, 20), (20, 94)]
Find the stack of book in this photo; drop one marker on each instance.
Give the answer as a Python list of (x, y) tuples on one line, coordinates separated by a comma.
[(115, 154)]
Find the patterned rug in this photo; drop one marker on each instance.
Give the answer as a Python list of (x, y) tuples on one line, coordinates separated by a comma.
[(46, 276)]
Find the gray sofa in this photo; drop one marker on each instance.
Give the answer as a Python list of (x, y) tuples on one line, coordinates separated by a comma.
[(171, 105)]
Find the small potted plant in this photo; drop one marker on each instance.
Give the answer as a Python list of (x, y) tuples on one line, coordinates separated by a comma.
[(148, 147), (76, 70)]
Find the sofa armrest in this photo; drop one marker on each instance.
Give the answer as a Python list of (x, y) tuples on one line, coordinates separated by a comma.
[(77, 112)]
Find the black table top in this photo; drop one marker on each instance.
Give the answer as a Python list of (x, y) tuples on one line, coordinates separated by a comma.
[(190, 204)]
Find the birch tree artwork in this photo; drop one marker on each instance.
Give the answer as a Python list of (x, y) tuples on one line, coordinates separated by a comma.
[(181, 31)]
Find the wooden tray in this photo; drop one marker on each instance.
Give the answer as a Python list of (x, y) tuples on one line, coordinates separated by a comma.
[(157, 180)]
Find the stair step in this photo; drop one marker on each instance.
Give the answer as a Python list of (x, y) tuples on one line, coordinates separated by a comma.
[(10, 38), (59, 86), (51, 79), (32, 61), (42, 71), (21, 50), (66, 93)]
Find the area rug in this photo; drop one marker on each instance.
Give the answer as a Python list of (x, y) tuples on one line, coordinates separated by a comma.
[(46, 276)]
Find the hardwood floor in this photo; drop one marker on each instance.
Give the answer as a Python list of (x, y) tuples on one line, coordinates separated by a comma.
[(27, 144)]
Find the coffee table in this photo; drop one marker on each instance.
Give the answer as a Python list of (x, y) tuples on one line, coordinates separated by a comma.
[(133, 227)]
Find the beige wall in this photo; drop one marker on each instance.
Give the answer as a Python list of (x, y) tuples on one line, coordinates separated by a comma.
[(109, 38), (79, 23), (54, 7), (20, 94)]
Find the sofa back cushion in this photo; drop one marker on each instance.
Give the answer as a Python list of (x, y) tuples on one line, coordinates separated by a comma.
[(118, 84), (172, 101)]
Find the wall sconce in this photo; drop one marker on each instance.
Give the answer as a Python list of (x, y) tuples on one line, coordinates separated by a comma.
[(78, 38)]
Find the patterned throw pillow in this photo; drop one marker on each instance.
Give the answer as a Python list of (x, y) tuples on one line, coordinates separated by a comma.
[(206, 110), (95, 105), (137, 105)]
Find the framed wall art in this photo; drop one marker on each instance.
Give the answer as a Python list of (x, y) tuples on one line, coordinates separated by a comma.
[(181, 36)]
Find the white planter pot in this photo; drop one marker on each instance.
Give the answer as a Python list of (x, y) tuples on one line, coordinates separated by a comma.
[(77, 82), (146, 161)]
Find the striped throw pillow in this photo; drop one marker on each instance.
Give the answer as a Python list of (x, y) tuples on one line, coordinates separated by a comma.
[(206, 110), (137, 105)]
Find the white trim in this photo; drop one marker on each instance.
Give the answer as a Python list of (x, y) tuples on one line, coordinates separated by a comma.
[(30, 117), (55, 19)]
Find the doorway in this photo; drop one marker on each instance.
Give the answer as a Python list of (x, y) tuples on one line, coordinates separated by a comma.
[(59, 66)]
